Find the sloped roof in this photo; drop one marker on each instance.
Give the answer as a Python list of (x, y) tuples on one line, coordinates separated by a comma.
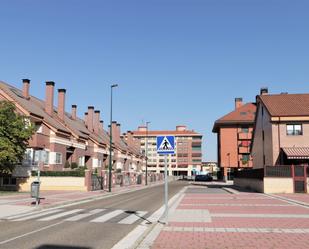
[(34, 106), (242, 115), (296, 152), (286, 105)]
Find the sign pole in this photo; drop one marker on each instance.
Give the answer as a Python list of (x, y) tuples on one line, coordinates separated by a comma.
[(166, 191), (166, 146), (37, 201)]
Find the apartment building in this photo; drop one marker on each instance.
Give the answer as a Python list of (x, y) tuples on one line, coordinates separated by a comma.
[(61, 138), (281, 133), (188, 145), (234, 137)]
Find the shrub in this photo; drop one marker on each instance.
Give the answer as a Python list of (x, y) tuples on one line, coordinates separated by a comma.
[(67, 165), (60, 173), (74, 166)]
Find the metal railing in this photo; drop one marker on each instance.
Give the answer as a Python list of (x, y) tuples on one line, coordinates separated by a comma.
[(278, 171)]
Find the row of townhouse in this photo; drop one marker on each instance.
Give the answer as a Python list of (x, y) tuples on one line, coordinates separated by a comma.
[(63, 138), (276, 134)]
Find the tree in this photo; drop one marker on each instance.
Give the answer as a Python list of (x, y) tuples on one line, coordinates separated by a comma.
[(15, 132)]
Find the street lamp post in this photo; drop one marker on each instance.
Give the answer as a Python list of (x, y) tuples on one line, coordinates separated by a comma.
[(146, 152), (229, 168), (111, 142)]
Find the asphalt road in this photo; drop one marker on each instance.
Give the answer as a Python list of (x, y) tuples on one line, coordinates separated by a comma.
[(97, 224)]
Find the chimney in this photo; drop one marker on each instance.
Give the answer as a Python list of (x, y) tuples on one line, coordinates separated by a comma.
[(238, 103), (96, 123), (86, 118), (130, 139), (26, 87), (102, 126), (181, 128), (74, 111), (90, 118), (115, 131), (49, 102), (118, 130), (264, 91), (61, 103)]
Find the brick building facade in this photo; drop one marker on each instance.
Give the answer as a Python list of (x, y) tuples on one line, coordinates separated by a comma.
[(234, 137)]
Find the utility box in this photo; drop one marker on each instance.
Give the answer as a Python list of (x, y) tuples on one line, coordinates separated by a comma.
[(35, 189)]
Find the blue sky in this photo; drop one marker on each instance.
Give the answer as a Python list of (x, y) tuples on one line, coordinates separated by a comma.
[(176, 61)]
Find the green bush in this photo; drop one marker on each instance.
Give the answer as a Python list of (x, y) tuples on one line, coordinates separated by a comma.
[(67, 165), (74, 166), (78, 173)]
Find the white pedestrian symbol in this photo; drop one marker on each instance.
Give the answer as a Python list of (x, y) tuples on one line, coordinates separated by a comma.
[(166, 145)]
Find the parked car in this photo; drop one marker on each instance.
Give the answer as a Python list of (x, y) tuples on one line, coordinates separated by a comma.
[(203, 178)]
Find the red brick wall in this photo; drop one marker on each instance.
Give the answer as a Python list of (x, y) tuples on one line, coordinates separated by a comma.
[(229, 144)]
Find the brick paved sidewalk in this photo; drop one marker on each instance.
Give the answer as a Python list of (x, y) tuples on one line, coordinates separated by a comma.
[(208, 218)]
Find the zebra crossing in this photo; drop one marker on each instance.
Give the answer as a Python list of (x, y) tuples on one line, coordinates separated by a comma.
[(95, 216)]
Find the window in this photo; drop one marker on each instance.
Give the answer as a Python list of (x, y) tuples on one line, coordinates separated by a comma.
[(41, 156), (294, 130), (81, 161), (9, 181), (245, 130), (245, 158), (197, 138), (196, 148), (39, 128), (58, 158)]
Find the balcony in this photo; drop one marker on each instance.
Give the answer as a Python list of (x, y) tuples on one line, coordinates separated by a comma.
[(244, 136), (38, 140), (245, 164), (243, 150)]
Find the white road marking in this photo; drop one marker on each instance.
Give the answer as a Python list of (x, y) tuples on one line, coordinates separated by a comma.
[(83, 216), (107, 217), (38, 215), (53, 217), (133, 218)]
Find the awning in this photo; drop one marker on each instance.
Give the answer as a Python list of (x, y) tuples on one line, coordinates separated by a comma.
[(296, 152)]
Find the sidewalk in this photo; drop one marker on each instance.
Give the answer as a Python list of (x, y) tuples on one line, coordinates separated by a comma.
[(212, 218), (22, 202)]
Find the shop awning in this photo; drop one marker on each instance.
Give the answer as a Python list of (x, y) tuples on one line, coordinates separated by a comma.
[(296, 152)]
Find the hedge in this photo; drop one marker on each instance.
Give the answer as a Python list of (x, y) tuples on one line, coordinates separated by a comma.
[(78, 173)]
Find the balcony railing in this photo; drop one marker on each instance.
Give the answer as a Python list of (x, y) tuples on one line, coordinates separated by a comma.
[(243, 150), (242, 136)]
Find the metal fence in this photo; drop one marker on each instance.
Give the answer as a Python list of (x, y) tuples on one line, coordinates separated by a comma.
[(279, 171), (272, 171), (250, 173)]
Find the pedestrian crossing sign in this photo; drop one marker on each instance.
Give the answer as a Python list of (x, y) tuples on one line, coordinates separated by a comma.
[(166, 145)]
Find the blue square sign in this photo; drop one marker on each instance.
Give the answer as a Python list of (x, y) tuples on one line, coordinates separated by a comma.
[(166, 145)]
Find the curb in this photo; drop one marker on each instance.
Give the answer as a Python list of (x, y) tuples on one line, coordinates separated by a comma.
[(149, 237), (300, 203)]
